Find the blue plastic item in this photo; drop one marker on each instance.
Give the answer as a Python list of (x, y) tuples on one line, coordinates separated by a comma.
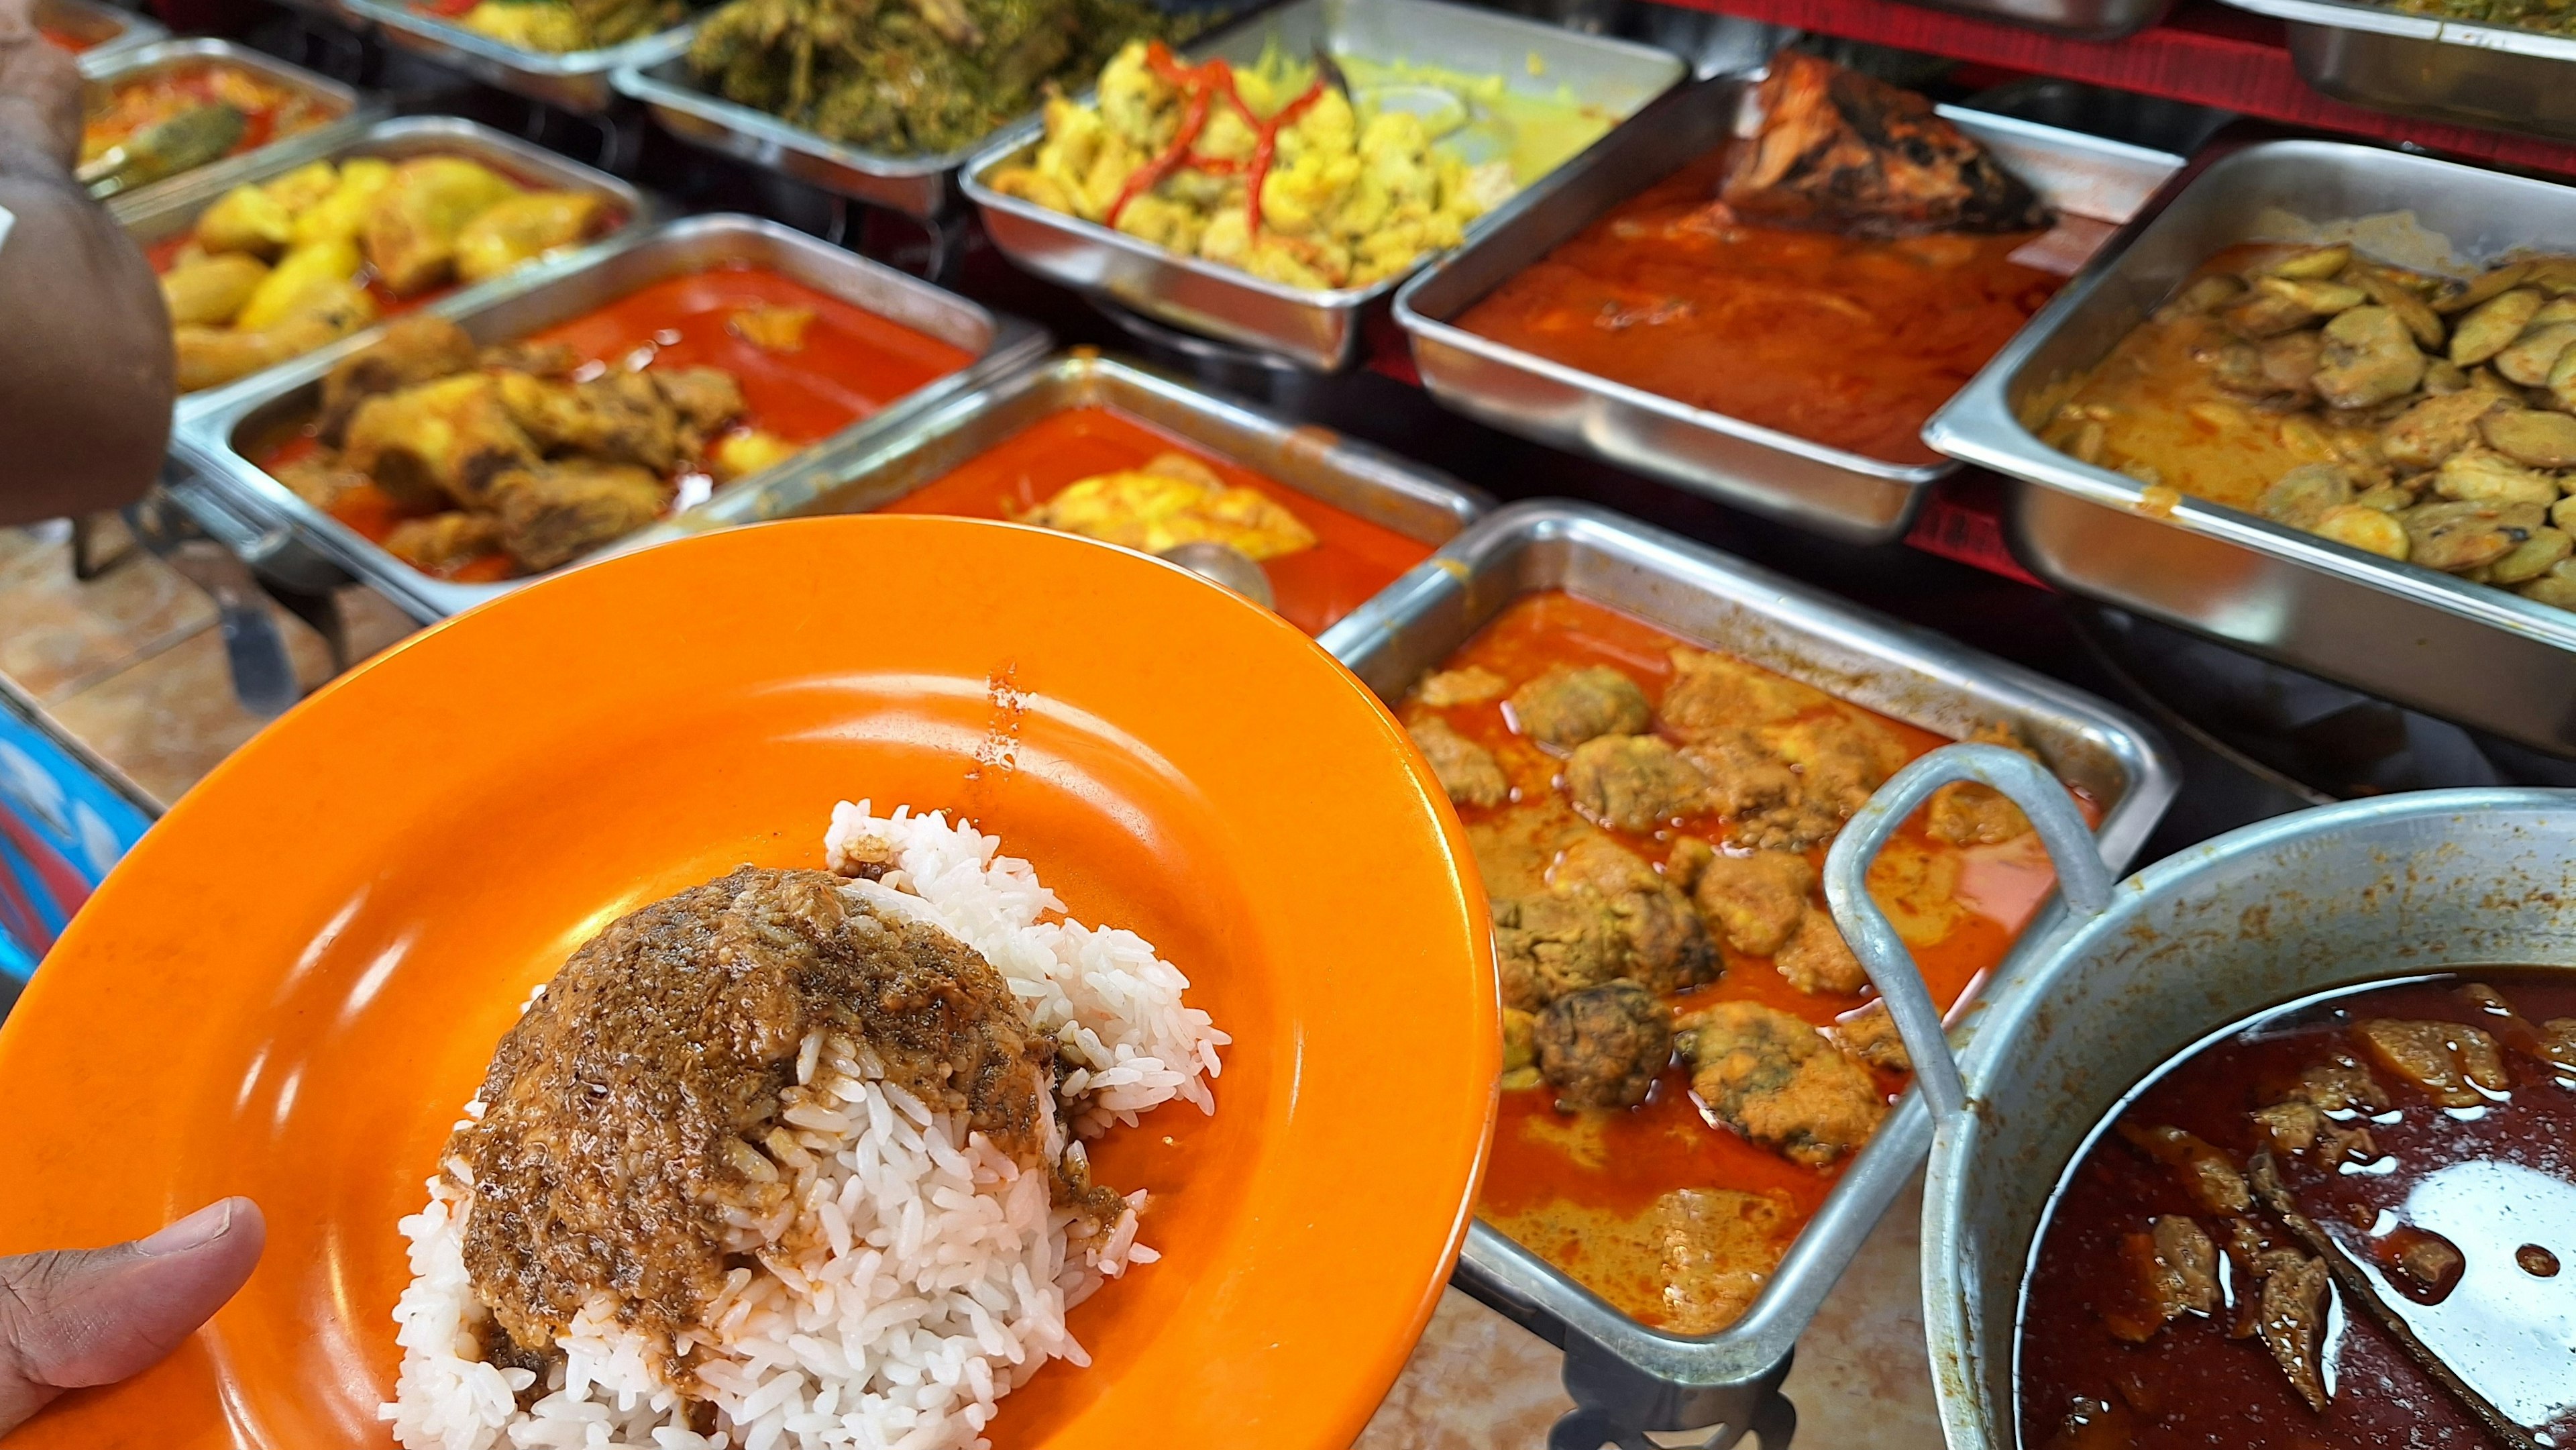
[(65, 819)]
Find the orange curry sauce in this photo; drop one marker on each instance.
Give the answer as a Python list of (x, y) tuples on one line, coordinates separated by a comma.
[(1352, 558), (1564, 1184), (853, 364), (1848, 342)]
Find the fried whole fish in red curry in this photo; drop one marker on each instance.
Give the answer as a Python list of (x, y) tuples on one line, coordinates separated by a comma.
[(1836, 276)]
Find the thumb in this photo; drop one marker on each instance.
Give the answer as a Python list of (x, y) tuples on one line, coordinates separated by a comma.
[(75, 1317)]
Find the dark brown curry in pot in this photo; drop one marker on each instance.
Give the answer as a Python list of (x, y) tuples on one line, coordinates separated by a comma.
[(2343, 1222)]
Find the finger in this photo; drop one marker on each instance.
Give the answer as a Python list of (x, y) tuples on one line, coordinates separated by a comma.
[(77, 1317)]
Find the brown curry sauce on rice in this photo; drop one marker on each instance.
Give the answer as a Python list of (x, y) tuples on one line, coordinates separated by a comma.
[(644, 1100)]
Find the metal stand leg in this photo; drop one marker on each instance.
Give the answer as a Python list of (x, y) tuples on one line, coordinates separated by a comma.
[(322, 611), (87, 563), (1773, 1425)]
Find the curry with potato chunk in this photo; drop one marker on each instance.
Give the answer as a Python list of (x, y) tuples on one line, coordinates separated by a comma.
[(1692, 1054), (276, 269), (476, 464), (2426, 419)]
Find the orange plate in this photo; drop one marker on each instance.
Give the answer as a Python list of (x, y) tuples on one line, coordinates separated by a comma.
[(292, 984)]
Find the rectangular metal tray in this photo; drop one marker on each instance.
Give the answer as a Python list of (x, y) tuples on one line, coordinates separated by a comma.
[(102, 29), (155, 219), (1622, 1375), (213, 433), (1317, 329), (1343, 472), (2471, 653), (1829, 490), (575, 80), (2074, 19), (356, 110), (920, 186), (2493, 76)]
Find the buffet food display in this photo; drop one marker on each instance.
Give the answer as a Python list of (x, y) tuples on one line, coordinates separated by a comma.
[(428, 359)]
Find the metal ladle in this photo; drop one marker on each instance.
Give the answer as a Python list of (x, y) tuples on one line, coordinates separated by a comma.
[(1227, 565)]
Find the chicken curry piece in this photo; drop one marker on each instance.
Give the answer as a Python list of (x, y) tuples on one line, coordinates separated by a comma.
[(275, 269), (2233, 1261), (1692, 1053), (481, 464), (2428, 420)]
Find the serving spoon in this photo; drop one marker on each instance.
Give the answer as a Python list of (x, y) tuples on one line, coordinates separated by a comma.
[(1227, 565)]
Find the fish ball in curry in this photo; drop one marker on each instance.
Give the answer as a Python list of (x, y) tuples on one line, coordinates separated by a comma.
[(1602, 1047)]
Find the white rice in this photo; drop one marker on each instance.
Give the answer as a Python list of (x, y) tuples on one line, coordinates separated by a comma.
[(914, 1276)]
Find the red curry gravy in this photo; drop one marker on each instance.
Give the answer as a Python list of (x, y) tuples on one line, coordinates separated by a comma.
[(1847, 342), (1352, 558), (2496, 1180), (851, 365), (1575, 1188)]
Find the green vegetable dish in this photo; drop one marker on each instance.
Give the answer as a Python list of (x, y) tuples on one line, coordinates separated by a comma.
[(913, 77)]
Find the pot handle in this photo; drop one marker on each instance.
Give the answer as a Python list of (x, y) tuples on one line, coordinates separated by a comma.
[(2082, 880)]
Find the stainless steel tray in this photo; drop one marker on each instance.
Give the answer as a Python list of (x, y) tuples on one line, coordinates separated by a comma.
[(1624, 1377), (2074, 19), (1343, 472), (101, 29), (2478, 655), (575, 80), (1847, 495), (2442, 70), (1318, 329), (921, 186), (116, 66), (214, 432), (157, 218)]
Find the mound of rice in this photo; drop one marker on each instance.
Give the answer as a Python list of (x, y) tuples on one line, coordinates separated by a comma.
[(916, 1274)]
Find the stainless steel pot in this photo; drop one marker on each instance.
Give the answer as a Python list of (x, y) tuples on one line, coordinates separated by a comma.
[(2254, 918)]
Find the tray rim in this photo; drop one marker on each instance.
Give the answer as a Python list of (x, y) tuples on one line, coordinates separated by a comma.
[(548, 65), (2378, 20)]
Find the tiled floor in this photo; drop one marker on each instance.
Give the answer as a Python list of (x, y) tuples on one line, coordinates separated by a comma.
[(1861, 1380), (133, 664)]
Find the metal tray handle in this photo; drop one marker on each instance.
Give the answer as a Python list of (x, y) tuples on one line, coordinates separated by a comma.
[(2082, 880)]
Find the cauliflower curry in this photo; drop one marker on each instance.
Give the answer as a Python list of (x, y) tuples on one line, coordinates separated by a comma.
[(1271, 168)]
